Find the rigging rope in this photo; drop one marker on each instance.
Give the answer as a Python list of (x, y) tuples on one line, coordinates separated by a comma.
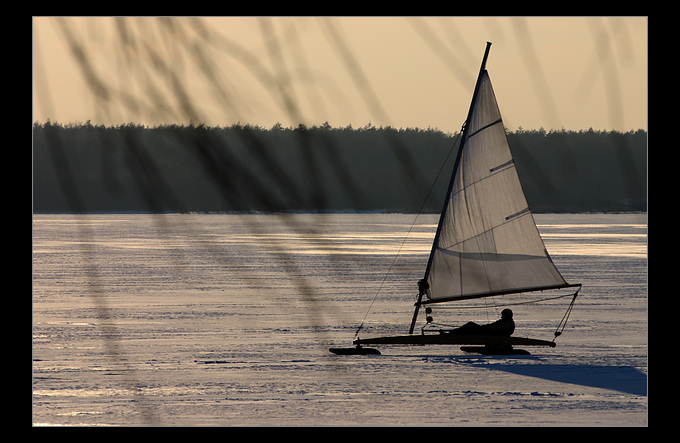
[(540, 300), (453, 145), (565, 318)]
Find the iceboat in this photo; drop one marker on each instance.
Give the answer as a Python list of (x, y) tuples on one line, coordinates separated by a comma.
[(487, 243)]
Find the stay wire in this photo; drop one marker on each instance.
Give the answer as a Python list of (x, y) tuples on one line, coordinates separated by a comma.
[(565, 318), (502, 305), (389, 270)]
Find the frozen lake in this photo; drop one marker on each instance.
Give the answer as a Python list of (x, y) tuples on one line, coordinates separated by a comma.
[(226, 320)]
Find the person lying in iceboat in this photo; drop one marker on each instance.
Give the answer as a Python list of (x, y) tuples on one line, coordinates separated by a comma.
[(503, 327)]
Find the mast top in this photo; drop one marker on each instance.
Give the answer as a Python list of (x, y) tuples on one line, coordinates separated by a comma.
[(486, 55)]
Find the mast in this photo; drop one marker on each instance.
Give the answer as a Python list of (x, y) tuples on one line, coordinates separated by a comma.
[(422, 284)]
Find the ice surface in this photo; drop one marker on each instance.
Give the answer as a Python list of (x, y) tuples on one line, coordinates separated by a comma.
[(226, 320)]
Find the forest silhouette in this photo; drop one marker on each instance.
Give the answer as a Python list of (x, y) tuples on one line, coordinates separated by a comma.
[(241, 168)]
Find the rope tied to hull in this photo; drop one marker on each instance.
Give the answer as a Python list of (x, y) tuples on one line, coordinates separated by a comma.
[(565, 317)]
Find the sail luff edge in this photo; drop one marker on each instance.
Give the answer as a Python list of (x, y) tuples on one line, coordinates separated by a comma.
[(448, 192)]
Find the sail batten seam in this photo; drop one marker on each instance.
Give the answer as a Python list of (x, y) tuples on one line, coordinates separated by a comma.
[(517, 214), (483, 128), (501, 166)]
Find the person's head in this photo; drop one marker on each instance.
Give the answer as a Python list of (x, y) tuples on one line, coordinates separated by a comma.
[(506, 313)]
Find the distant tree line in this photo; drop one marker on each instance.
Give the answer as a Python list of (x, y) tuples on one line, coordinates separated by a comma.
[(195, 168)]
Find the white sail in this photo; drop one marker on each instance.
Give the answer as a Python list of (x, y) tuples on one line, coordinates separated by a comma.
[(487, 242)]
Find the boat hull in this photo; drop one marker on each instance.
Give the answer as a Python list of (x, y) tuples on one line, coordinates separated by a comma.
[(453, 339)]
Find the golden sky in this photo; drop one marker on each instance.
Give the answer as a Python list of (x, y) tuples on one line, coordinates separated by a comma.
[(551, 72)]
